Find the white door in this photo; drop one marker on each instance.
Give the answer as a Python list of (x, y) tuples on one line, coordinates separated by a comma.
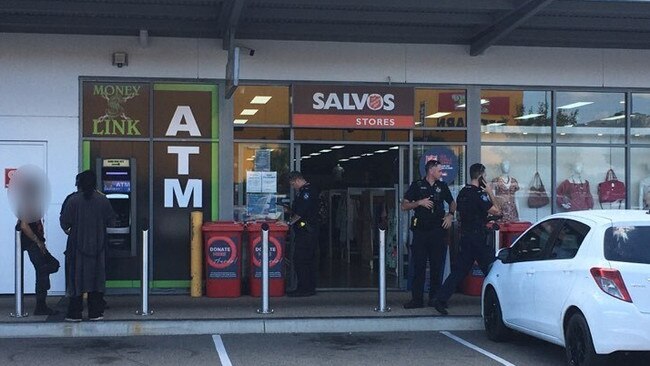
[(14, 154), (517, 285), (555, 276)]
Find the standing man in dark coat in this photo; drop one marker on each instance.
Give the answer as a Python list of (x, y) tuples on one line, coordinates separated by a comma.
[(85, 216), (475, 203), (429, 225), (304, 225)]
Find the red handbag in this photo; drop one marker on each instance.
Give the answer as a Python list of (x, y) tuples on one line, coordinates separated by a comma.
[(612, 189)]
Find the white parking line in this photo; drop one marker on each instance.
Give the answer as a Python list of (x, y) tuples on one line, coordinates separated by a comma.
[(221, 350), (478, 349)]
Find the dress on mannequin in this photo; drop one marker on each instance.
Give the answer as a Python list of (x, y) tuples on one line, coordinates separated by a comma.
[(574, 194), (504, 188)]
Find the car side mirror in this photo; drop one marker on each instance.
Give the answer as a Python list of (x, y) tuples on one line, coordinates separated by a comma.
[(503, 254)]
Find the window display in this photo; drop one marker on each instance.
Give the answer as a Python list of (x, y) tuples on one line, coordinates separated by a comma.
[(573, 193), (639, 182), (518, 173), (504, 188), (515, 116)]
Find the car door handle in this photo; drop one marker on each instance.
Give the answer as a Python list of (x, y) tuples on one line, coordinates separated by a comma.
[(530, 272), (567, 271)]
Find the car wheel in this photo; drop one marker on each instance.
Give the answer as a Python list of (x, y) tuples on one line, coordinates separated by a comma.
[(493, 319), (579, 345)]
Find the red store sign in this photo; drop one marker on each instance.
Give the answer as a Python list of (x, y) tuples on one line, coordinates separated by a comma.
[(367, 107)]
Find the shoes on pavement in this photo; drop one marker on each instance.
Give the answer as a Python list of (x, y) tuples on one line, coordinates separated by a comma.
[(95, 318), (440, 307), (71, 319), (413, 305)]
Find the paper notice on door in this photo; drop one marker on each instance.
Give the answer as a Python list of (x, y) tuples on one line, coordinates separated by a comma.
[(269, 182), (253, 182)]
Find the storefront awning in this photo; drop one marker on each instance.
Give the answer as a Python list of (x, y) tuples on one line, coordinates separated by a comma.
[(479, 24)]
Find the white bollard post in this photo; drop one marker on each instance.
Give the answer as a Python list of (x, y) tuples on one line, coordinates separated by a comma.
[(265, 271), (18, 280), (382, 308), (145, 275)]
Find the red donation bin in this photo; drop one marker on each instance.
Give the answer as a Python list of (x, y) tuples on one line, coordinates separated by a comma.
[(222, 242), (277, 239), (508, 233)]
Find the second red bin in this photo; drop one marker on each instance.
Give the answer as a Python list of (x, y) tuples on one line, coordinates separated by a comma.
[(277, 240)]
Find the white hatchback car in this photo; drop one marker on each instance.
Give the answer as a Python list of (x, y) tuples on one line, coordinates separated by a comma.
[(578, 279)]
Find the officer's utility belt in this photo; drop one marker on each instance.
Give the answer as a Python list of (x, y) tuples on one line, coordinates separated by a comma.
[(430, 224)]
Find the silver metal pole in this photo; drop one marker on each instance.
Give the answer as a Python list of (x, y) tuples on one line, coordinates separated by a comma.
[(382, 308), (18, 280), (265, 271), (497, 238), (145, 275)]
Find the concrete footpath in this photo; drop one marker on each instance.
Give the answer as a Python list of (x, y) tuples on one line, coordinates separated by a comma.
[(326, 312)]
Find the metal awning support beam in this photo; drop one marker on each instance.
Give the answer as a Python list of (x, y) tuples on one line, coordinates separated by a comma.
[(229, 20), (501, 28)]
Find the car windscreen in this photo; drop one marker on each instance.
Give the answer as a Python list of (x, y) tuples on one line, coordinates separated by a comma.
[(628, 244)]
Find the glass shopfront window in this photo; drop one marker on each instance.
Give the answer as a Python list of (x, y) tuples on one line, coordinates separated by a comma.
[(639, 178), (579, 172), (261, 105), (515, 116), (640, 118), (452, 159), (521, 180), (250, 157), (590, 117), (440, 108)]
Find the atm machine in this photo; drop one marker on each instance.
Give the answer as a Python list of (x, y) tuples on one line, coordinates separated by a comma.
[(117, 180)]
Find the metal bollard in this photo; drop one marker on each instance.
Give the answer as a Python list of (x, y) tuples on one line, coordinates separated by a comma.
[(497, 243), (382, 308), (265, 271), (18, 280), (145, 275)]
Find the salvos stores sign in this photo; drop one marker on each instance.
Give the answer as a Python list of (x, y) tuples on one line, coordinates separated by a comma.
[(332, 106)]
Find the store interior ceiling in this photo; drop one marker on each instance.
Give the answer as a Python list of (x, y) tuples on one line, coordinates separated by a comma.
[(479, 24)]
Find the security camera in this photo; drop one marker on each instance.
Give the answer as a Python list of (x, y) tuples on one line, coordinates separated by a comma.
[(251, 51)]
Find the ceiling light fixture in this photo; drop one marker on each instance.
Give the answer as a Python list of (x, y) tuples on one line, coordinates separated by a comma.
[(325, 150), (344, 159), (381, 151), (337, 147), (438, 115), (314, 154), (354, 157), (613, 118), (529, 116), (239, 121), (574, 105), (261, 99), (249, 112), (393, 148)]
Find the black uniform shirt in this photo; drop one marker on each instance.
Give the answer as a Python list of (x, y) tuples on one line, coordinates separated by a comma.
[(305, 204), (437, 192), (473, 205)]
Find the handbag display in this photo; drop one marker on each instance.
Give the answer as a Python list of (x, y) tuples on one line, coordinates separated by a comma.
[(537, 196), (612, 189)]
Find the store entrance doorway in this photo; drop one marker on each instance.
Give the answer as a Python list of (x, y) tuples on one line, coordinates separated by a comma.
[(359, 185)]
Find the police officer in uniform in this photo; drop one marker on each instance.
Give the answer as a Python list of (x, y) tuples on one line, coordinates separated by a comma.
[(429, 225), (475, 203), (304, 225)]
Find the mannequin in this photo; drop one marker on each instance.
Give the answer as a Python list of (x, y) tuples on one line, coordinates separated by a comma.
[(504, 188), (644, 191), (574, 194)]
